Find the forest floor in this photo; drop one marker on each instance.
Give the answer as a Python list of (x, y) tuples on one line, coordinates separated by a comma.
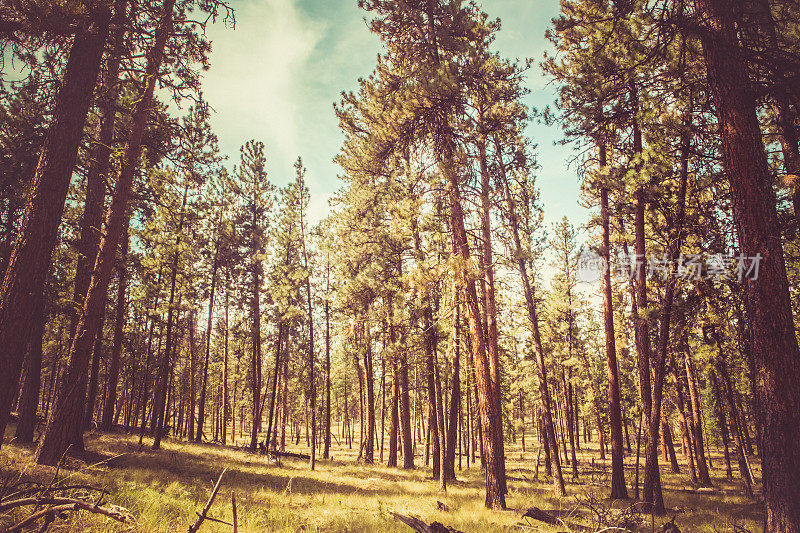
[(165, 489)]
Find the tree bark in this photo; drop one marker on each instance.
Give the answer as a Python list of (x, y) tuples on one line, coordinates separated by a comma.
[(160, 399), (67, 410), (201, 416), (530, 303), (490, 310), (696, 422), (21, 294), (116, 350), (29, 402), (618, 488), (495, 494), (774, 343)]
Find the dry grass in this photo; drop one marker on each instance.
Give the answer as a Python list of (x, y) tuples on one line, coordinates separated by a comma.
[(164, 489)]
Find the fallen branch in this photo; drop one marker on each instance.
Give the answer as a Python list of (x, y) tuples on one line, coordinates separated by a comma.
[(68, 504), (201, 516), (541, 516), (421, 527)]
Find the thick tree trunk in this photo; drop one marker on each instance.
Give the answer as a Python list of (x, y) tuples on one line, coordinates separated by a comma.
[(68, 407), (495, 493), (775, 348), (23, 284)]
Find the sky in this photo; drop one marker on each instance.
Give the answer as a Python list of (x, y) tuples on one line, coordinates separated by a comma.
[(275, 77)]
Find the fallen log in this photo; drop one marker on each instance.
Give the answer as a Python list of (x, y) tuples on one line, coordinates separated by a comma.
[(291, 455), (421, 527), (541, 516)]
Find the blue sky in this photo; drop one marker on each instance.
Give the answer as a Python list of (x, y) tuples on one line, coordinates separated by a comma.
[(275, 77)]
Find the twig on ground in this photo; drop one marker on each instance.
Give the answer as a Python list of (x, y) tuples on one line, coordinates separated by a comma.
[(201, 516)]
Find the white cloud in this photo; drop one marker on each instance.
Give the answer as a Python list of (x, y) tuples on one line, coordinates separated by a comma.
[(254, 84)]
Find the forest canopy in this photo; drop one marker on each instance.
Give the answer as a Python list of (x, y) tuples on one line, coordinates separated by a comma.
[(440, 342)]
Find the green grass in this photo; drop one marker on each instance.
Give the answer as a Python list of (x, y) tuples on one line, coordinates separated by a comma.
[(164, 489)]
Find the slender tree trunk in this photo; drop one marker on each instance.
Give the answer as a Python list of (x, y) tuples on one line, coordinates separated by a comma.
[(67, 412), (549, 430), (225, 392), (618, 488), (727, 390), (696, 423), (255, 332), (393, 419), (116, 350), (29, 402), (201, 417), (22, 291), (723, 425), (192, 379), (492, 349), (455, 398), (160, 400), (327, 445), (94, 376), (369, 451)]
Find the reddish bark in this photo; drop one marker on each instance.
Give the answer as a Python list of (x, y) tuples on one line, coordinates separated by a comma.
[(774, 344), (23, 283), (68, 408), (618, 488)]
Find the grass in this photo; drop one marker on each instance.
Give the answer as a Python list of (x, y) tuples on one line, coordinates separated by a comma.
[(164, 489)]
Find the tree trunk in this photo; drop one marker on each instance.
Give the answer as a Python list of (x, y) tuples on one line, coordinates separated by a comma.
[(225, 392), (618, 488), (22, 291), (29, 402), (369, 450), (696, 422), (67, 411), (455, 399), (774, 343), (116, 350), (495, 494), (492, 349), (96, 178), (160, 399), (723, 425), (327, 442), (201, 416), (549, 430)]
